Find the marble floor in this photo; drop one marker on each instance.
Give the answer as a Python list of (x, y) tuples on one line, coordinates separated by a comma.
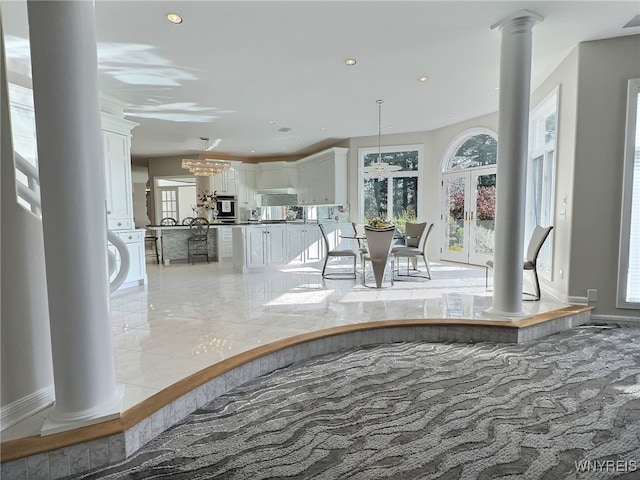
[(189, 317)]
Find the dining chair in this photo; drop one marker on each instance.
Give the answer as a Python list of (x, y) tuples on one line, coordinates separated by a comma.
[(358, 233), (198, 239), (536, 241), (379, 241), (187, 220), (336, 254), (168, 221), (417, 235)]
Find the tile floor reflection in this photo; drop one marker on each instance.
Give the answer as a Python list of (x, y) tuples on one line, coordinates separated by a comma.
[(191, 316)]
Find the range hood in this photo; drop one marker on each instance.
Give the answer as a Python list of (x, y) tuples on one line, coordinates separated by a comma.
[(277, 177)]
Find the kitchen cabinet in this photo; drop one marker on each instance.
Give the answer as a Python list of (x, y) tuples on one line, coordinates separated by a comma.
[(226, 183), (304, 243), (116, 137), (118, 181), (137, 268), (225, 243), (256, 247), (322, 178), (247, 196)]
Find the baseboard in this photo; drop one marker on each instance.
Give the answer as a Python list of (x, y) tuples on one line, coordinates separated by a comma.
[(631, 321), (26, 406), (575, 300)]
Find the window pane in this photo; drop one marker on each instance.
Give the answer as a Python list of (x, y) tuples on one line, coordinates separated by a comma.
[(408, 161), (485, 214), (455, 189), (633, 268), (375, 198), (405, 201), (476, 151)]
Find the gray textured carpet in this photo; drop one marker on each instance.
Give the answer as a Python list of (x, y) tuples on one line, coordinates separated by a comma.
[(421, 410)]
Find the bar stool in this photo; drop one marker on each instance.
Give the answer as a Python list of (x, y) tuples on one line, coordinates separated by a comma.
[(153, 240)]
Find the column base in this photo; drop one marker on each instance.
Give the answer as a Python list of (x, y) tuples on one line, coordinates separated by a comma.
[(58, 423), (510, 315)]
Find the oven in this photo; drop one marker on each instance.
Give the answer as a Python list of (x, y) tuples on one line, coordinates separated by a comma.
[(227, 206)]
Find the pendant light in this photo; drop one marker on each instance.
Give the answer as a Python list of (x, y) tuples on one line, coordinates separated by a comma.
[(379, 168)]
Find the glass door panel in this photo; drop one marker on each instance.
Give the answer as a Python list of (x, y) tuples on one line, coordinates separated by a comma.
[(482, 217), (469, 215), (456, 239), (375, 198)]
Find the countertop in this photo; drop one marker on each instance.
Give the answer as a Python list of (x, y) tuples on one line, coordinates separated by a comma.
[(244, 223)]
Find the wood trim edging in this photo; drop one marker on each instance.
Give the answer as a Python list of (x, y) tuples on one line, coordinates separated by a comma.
[(23, 447)]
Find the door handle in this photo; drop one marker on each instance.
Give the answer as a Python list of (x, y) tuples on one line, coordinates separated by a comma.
[(471, 216)]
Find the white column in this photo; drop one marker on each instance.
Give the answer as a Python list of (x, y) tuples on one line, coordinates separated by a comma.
[(72, 176), (511, 178)]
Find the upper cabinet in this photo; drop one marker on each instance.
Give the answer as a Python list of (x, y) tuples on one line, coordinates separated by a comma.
[(226, 183), (247, 197), (322, 178), (116, 135)]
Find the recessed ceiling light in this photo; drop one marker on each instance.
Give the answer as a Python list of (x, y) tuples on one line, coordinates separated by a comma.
[(424, 78), (324, 129), (253, 151), (174, 18), (350, 61), (496, 88), (271, 122)]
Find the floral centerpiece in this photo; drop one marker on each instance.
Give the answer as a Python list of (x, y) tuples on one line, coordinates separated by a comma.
[(207, 203), (378, 222), (207, 200)]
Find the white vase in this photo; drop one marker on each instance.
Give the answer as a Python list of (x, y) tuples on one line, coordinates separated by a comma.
[(209, 215)]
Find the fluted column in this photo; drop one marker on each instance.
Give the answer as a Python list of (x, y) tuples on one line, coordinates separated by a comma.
[(72, 178), (511, 177)]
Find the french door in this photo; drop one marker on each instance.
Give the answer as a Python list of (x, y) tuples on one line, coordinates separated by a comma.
[(469, 215)]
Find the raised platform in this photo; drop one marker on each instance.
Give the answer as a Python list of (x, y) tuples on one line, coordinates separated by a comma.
[(73, 452)]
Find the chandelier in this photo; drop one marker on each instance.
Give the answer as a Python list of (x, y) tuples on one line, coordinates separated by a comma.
[(204, 166), (379, 168)]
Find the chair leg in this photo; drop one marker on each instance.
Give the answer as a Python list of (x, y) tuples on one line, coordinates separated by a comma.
[(486, 277), (155, 244), (537, 295), (324, 266), (426, 263)]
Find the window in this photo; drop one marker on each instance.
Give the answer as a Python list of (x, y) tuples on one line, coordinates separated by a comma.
[(629, 257), (541, 179), (169, 202), (392, 195)]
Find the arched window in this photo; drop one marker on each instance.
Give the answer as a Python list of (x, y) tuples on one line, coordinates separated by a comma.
[(477, 150)]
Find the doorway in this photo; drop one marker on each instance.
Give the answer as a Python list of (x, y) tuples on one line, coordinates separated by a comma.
[(469, 216), (469, 199)]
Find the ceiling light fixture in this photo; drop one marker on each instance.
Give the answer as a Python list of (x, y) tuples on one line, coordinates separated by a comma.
[(424, 78), (203, 166), (379, 168), (350, 62), (174, 18)]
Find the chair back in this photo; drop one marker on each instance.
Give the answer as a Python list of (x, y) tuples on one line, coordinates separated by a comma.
[(538, 238), (199, 227), (187, 220), (413, 232), (425, 237), (168, 221), (324, 237)]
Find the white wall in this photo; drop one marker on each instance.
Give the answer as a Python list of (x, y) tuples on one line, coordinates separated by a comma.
[(26, 363), (566, 77), (604, 67)]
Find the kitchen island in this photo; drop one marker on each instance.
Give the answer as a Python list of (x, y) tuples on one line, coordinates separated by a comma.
[(173, 242), (254, 245)]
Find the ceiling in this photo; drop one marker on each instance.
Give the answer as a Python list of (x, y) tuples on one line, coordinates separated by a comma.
[(232, 67)]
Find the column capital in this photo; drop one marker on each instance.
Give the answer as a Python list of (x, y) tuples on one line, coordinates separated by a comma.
[(528, 15)]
